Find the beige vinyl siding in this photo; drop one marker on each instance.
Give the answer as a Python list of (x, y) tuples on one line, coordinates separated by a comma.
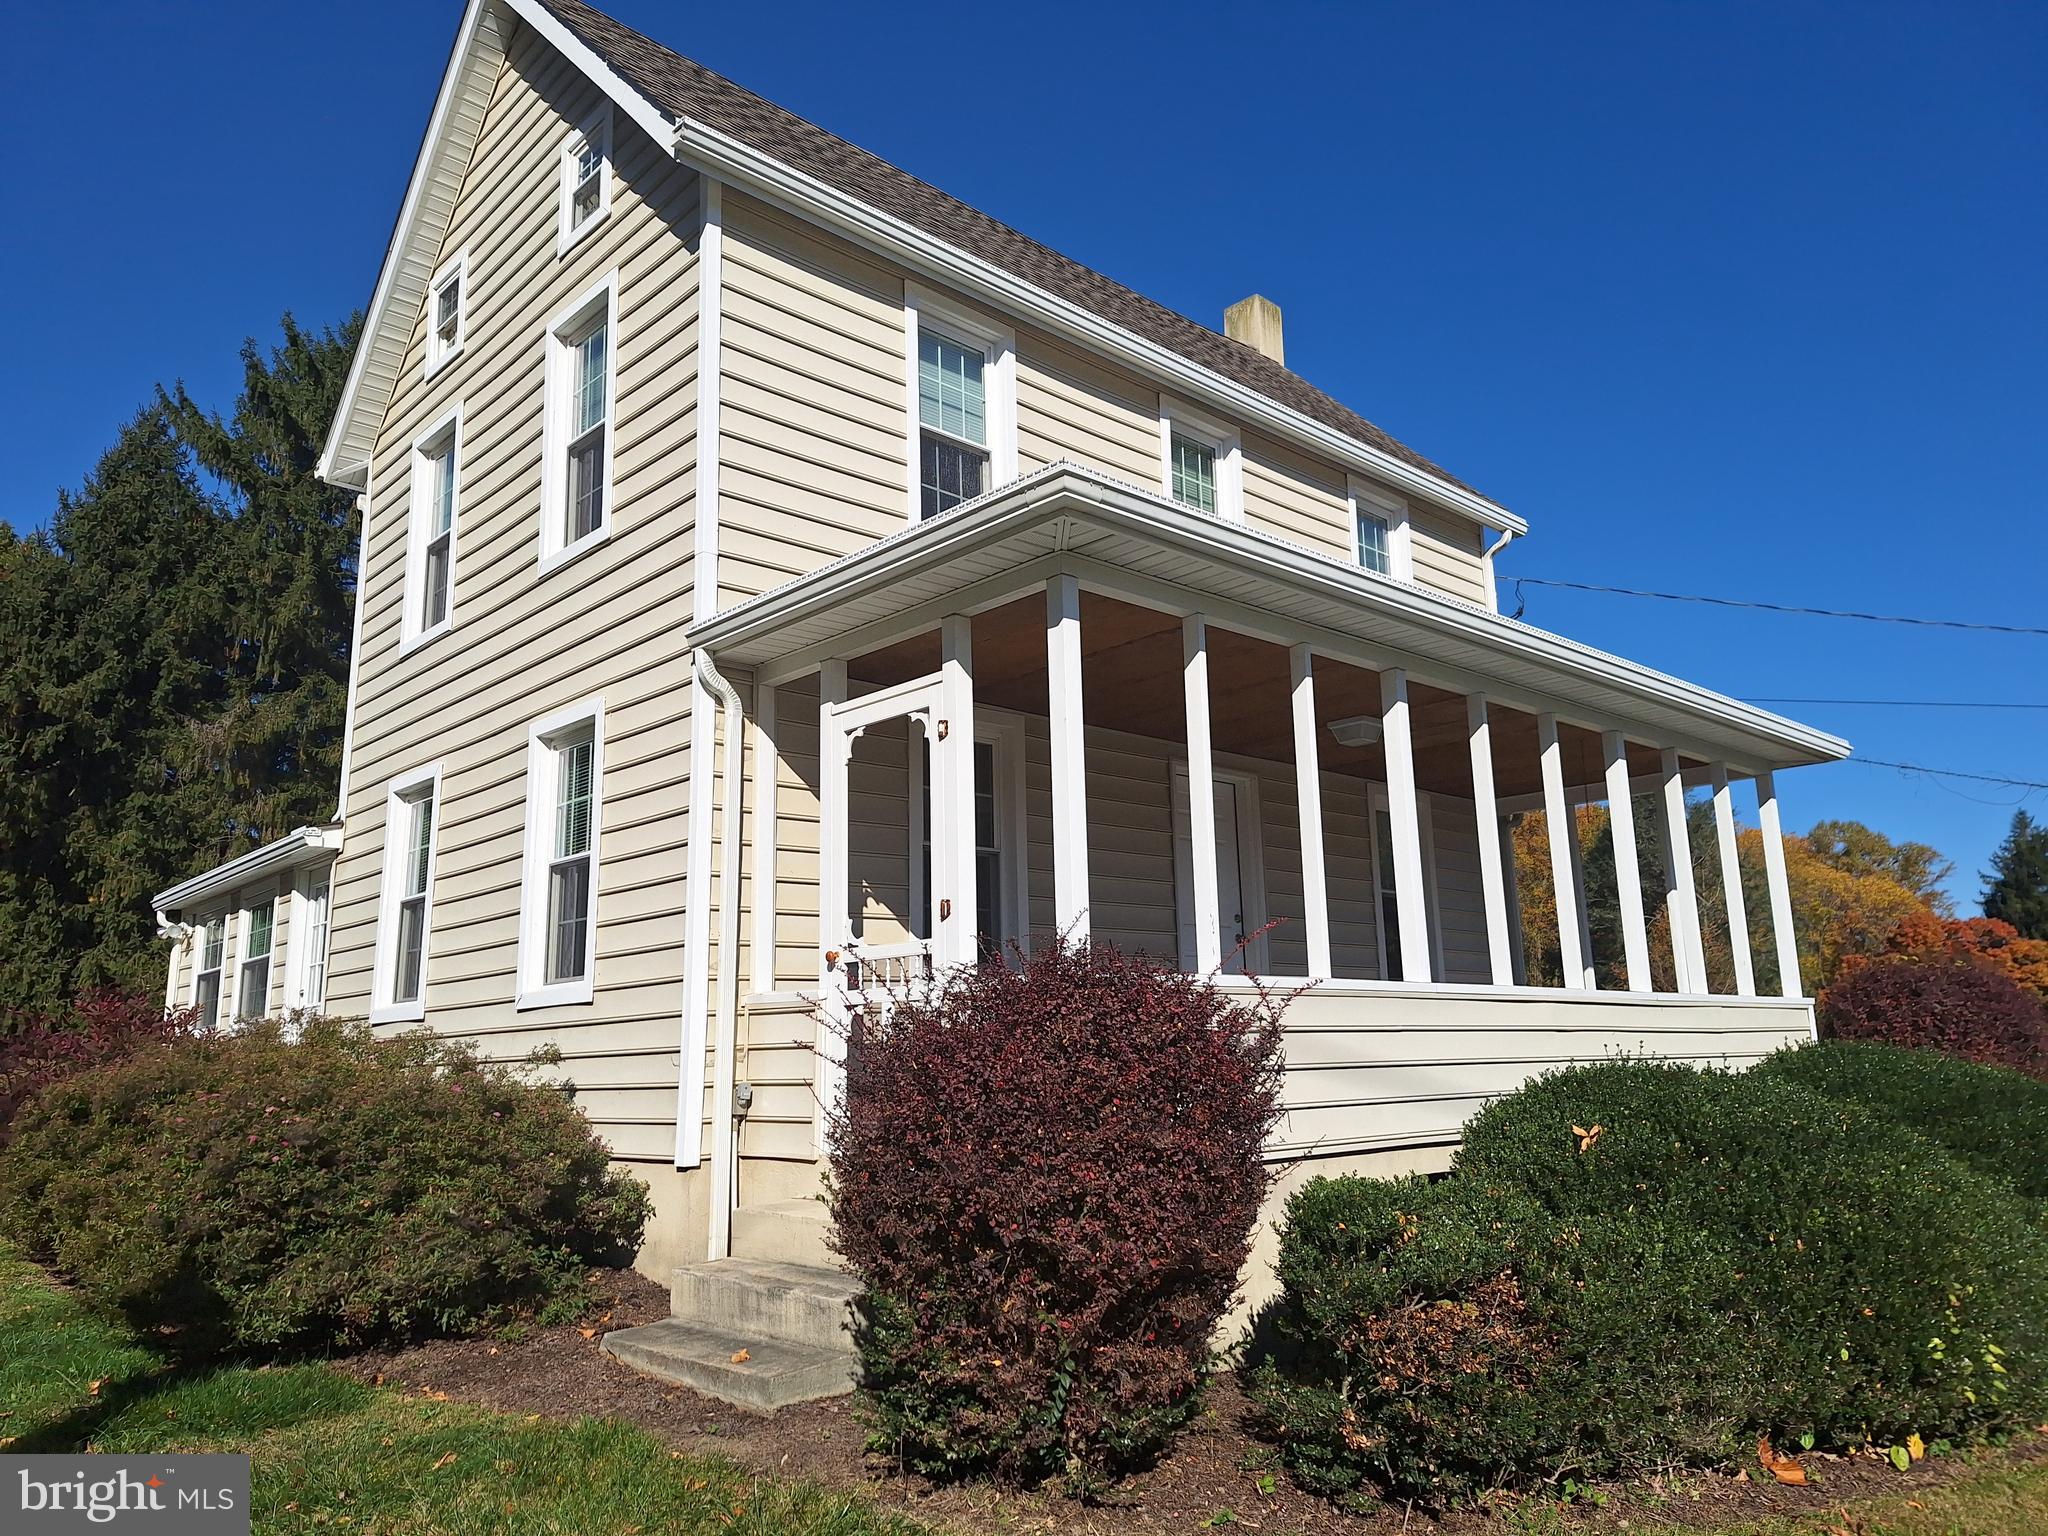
[(1448, 554), (812, 409), (1076, 407), (1298, 497), (526, 644), (1461, 900)]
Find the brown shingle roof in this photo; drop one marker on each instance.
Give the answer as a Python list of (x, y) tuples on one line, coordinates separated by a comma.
[(682, 87)]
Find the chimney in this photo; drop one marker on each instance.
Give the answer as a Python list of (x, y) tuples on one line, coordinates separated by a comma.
[(1256, 322)]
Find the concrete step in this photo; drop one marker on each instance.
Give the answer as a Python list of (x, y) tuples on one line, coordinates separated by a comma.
[(773, 1375), (760, 1298), (785, 1232)]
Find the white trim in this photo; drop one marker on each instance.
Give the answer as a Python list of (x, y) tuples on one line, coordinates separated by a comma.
[(1378, 803), (532, 989), (1790, 983), (1404, 816), (1308, 795), (445, 429), (1681, 899), (710, 370), (1363, 496), (1628, 879), (1068, 754), (767, 860), (1249, 813), (439, 353), (1003, 731), (556, 549), (1201, 770), (401, 790), (595, 128), (299, 846), (355, 656), (1560, 827), (1731, 882), (922, 309), (956, 939), (1494, 861), (1177, 416)]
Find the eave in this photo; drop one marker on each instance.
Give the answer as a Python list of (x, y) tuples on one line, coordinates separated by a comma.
[(295, 850)]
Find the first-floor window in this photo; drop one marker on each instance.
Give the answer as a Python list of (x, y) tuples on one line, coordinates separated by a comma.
[(558, 905), (309, 939), (252, 982), (988, 853), (417, 856), (206, 982), (405, 917)]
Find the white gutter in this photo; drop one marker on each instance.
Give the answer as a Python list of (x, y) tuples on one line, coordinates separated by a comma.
[(302, 845), (725, 1041)]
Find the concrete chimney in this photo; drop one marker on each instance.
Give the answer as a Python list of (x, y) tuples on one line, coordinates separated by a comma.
[(1256, 322)]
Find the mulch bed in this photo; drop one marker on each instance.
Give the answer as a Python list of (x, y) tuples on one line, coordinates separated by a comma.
[(1213, 1476)]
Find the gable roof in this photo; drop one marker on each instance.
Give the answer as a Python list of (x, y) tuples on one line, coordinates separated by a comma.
[(682, 88), (685, 105)]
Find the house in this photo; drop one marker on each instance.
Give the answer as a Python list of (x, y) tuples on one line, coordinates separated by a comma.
[(777, 577)]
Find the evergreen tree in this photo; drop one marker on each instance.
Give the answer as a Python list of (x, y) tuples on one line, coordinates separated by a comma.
[(2016, 887)]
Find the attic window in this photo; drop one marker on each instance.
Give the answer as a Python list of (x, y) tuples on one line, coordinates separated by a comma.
[(447, 302), (586, 178)]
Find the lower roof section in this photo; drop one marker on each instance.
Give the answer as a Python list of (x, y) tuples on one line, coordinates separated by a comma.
[(295, 850), (1133, 544)]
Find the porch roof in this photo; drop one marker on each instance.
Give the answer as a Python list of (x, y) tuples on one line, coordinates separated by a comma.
[(1138, 545), (297, 848)]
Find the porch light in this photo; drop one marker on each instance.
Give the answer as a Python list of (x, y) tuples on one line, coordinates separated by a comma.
[(1356, 730)]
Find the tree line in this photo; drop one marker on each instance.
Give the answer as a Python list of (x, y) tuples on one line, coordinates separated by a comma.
[(173, 667)]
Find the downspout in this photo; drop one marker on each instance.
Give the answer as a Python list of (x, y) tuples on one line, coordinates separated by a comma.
[(724, 1027), (1506, 538)]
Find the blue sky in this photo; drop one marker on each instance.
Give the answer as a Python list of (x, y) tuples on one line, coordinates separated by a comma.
[(1738, 299)]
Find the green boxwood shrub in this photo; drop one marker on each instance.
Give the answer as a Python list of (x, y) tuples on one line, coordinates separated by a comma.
[(248, 1190), (1993, 1118), (1696, 1259)]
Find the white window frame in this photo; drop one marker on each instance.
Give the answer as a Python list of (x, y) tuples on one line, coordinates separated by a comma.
[(1178, 416), (1425, 823), (200, 967), (596, 128), (533, 989), (440, 352), (246, 903), (923, 309), (399, 795), (1003, 732), (306, 942), (446, 430), (1366, 497), (1251, 865), (556, 549)]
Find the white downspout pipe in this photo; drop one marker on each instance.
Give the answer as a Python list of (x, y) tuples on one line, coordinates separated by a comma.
[(1486, 561), (724, 1028)]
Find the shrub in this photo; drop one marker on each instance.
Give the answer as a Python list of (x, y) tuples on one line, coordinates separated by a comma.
[(252, 1191), (1957, 1007), (1698, 1259), (1993, 1119), (1046, 1180), (40, 1047)]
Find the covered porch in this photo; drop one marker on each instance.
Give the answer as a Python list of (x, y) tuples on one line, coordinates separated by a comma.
[(994, 730)]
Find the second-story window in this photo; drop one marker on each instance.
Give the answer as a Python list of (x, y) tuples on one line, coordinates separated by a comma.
[(558, 898), (1194, 472), (1200, 463), (576, 509), (430, 555), (1373, 538), (447, 301), (1381, 521), (586, 179), (952, 417)]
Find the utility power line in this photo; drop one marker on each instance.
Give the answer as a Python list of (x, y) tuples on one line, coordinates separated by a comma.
[(1820, 613), (1951, 773)]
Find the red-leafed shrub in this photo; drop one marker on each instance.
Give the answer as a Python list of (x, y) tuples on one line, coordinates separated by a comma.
[(1954, 1006), (1046, 1178), (39, 1047)]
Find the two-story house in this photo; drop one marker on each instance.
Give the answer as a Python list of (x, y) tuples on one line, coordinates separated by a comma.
[(778, 577)]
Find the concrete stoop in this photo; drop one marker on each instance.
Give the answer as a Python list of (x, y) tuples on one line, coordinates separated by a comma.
[(758, 1333)]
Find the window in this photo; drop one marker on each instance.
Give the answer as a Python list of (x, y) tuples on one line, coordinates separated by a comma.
[(430, 556), (447, 301), (988, 853), (558, 899), (1381, 519), (252, 980), (1194, 473), (405, 918), (206, 980), (963, 404), (581, 382), (306, 956), (586, 174), (1200, 464)]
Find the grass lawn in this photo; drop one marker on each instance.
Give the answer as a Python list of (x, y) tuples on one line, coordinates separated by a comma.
[(333, 1454), (330, 1453)]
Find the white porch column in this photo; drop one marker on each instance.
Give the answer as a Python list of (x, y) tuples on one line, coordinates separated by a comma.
[(1069, 759), (953, 887), (1194, 650), (1492, 877), (1397, 740), (767, 777), (1681, 900), (1731, 883), (1562, 828), (1789, 981), (835, 925), (1628, 879), (1308, 796)]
